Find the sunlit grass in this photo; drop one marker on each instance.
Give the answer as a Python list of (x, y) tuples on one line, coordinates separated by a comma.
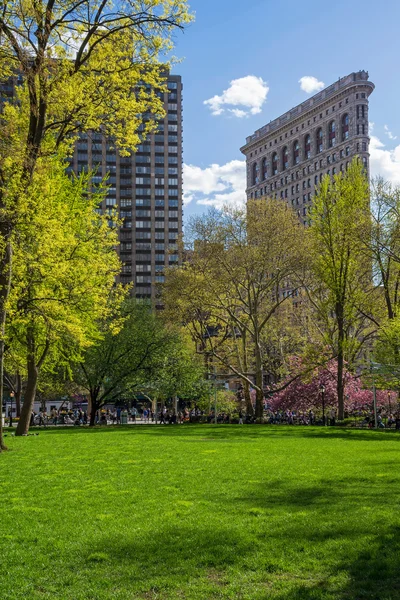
[(201, 512)]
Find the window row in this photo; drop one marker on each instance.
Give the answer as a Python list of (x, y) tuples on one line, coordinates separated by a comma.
[(282, 162)]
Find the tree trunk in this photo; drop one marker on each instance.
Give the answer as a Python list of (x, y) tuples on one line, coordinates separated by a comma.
[(18, 393), (29, 397), (340, 361), (93, 411), (5, 284), (247, 397), (259, 384)]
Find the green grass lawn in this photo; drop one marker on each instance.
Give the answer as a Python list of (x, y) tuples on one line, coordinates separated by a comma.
[(201, 512)]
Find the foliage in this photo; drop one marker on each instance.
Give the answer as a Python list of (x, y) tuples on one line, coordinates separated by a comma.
[(247, 512), (181, 373), (127, 358), (75, 62), (383, 243), (226, 401), (231, 287), (341, 289), (64, 265), (304, 392)]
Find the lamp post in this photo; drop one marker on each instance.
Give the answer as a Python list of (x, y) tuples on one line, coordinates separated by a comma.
[(322, 390), (10, 424), (390, 406)]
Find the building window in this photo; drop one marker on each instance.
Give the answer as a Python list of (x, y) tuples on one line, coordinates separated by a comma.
[(320, 145), (331, 134), (307, 146), (347, 150), (345, 127), (285, 158), (364, 146), (255, 178), (360, 111), (264, 169), (296, 153), (274, 163)]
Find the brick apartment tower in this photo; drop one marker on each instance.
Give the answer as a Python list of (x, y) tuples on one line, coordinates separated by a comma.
[(146, 188), (289, 156)]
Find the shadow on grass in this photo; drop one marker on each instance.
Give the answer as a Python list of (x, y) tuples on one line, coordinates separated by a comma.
[(169, 558), (374, 574), (174, 558), (229, 432)]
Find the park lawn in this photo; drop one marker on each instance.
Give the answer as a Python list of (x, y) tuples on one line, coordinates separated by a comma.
[(201, 512)]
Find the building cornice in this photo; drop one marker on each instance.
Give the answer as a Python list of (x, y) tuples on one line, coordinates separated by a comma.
[(306, 108)]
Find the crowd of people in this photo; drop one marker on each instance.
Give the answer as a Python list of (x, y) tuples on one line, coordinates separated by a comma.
[(167, 416)]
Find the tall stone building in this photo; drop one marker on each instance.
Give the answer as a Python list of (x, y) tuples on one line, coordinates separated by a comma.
[(145, 188), (289, 156)]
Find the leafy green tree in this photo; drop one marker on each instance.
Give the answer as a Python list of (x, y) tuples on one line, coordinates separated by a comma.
[(64, 268), (383, 243), (129, 356), (242, 268), (340, 290), (181, 374), (79, 61)]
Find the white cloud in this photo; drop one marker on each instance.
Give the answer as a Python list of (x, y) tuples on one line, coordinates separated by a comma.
[(249, 93), (389, 133), (215, 185), (385, 163), (310, 84)]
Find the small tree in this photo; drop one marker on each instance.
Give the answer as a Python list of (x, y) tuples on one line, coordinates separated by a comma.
[(129, 356)]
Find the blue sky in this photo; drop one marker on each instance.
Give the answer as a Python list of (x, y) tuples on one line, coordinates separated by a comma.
[(269, 46)]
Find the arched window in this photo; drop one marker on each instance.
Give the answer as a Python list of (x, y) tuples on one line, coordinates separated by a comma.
[(285, 158), (345, 127), (320, 144), (332, 134), (255, 174), (307, 146), (264, 169), (365, 162), (274, 163), (296, 153)]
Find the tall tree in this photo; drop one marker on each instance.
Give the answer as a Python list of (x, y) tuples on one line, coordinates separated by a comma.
[(79, 61), (241, 270), (341, 290), (383, 243), (63, 271)]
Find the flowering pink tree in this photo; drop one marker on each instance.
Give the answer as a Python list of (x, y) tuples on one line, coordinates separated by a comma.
[(304, 393)]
